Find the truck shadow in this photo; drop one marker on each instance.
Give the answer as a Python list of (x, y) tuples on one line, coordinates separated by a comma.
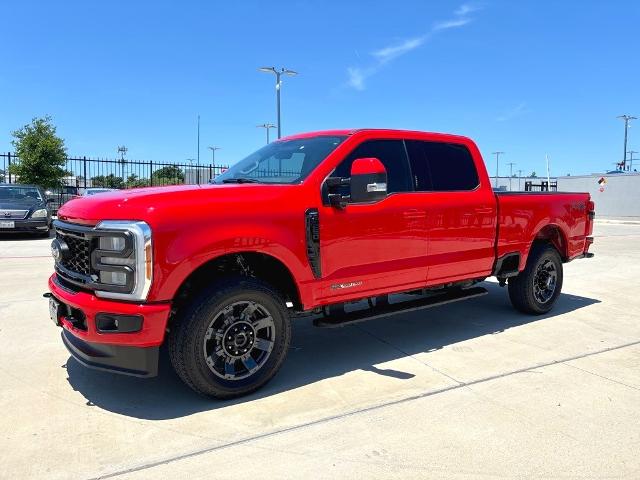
[(319, 353)]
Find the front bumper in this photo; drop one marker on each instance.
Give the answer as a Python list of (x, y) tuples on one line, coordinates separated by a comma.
[(28, 225), (132, 353)]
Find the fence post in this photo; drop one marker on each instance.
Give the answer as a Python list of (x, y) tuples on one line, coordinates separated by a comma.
[(151, 173), (84, 164), (9, 167)]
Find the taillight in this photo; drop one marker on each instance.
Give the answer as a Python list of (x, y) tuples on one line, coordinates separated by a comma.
[(591, 209)]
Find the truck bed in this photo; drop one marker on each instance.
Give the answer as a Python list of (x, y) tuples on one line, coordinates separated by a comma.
[(562, 217)]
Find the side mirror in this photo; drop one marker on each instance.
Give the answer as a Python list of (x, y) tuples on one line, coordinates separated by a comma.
[(368, 180), (50, 200)]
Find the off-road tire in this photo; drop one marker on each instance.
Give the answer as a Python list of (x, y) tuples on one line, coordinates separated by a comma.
[(521, 287), (187, 336)]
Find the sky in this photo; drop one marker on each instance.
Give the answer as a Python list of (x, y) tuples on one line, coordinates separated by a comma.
[(530, 78)]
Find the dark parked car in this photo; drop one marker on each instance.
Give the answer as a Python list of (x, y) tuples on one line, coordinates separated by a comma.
[(24, 208)]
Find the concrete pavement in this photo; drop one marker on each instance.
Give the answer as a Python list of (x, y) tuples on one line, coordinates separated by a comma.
[(468, 390)]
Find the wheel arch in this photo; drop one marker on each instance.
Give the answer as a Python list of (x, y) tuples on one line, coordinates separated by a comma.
[(553, 234), (262, 266)]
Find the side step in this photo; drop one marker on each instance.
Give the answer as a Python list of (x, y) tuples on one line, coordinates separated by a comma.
[(391, 309)]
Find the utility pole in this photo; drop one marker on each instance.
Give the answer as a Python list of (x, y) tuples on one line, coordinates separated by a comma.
[(198, 141), (631, 152), (511, 164), (519, 177), (627, 119), (497, 154), (266, 126), (278, 74)]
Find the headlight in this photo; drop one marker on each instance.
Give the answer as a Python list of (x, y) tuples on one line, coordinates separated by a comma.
[(123, 260), (41, 213)]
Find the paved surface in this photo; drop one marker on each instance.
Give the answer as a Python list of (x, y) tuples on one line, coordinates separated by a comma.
[(469, 390)]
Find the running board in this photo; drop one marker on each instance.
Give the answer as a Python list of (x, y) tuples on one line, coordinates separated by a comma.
[(391, 309)]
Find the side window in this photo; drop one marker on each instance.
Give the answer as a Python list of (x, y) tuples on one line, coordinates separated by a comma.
[(441, 167), (392, 155)]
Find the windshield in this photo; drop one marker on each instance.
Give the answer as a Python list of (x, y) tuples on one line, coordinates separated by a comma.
[(285, 161), (19, 193)]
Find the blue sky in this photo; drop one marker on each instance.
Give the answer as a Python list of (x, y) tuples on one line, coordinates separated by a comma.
[(527, 78)]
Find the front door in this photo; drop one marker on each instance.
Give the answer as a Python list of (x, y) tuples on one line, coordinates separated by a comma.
[(373, 248)]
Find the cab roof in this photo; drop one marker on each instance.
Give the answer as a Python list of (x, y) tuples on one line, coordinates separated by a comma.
[(379, 131)]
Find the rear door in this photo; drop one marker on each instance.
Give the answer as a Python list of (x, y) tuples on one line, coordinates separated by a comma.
[(460, 214)]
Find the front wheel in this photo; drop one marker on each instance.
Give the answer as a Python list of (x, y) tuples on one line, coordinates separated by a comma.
[(536, 289), (232, 340)]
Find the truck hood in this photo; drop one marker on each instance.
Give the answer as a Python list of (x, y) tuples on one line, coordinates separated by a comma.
[(157, 205)]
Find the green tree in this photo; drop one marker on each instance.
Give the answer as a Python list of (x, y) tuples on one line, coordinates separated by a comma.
[(134, 181), (170, 175), (107, 181), (533, 175), (41, 154)]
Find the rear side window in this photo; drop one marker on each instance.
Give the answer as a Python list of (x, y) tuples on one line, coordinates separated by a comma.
[(441, 167), (392, 155)]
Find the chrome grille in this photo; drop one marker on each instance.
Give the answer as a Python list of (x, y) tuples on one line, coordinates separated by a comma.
[(79, 259), (13, 214)]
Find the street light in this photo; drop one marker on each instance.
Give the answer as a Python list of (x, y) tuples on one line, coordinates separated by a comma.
[(631, 152), (497, 154), (278, 74), (511, 164), (213, 154), (627, 119), (122, 151), (519, 177), (266, 126)]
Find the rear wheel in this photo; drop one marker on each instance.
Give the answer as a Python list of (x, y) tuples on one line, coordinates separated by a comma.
[(232, 340), (536, 289)]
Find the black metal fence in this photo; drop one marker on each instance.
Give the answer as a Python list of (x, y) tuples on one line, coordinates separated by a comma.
[(86, 172)]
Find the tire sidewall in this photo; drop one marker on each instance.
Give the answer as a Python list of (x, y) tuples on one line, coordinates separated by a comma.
[(543, 255), (209, 310)]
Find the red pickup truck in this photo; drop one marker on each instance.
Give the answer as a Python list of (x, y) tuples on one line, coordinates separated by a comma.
[(307, 225)]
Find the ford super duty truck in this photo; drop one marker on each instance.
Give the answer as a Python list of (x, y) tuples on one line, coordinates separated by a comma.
[(304, 226)]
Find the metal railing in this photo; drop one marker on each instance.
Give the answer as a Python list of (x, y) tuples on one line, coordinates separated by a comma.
[(543, 186), (84, 172)]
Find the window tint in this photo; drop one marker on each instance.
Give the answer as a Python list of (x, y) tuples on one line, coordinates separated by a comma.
[(441, 166), (392, 155)]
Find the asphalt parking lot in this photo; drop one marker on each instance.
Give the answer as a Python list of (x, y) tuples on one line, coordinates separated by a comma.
[(468, 390)]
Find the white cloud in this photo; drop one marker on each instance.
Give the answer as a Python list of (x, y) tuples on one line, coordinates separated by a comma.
[(456, 23), (356, 79), (394, 51), (357, 75), (466, 9), (512, 113)]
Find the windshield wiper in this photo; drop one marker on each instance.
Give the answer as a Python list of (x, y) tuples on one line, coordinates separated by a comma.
[(240, 180)]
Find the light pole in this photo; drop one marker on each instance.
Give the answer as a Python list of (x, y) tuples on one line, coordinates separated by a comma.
[(278, 74), (266, 126), (631, 152), (190, 160), (122, 150), (497, 154), (511, 164), (627, 119), (213, 154), (519, 177)]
